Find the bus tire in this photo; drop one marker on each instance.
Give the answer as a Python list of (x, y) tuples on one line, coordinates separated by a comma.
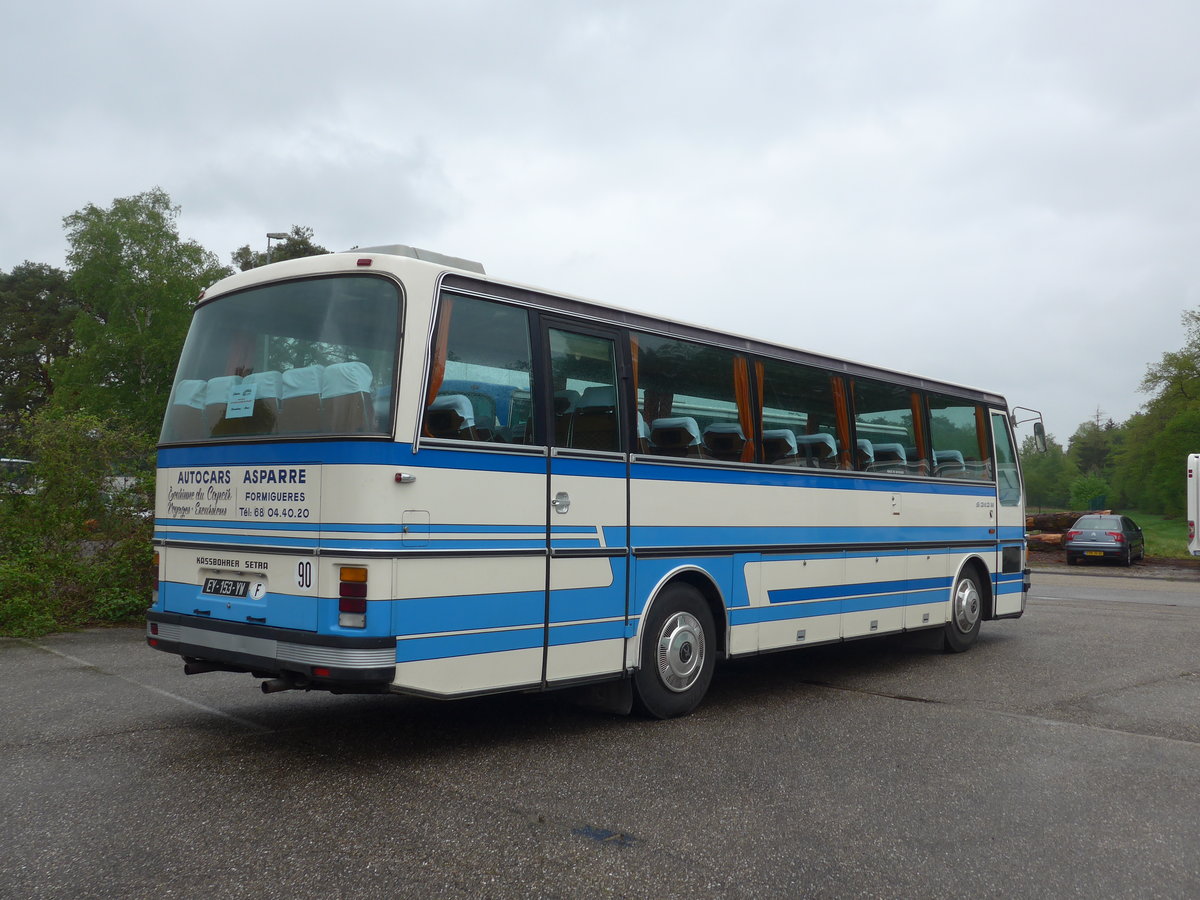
[(966, 613), (678, 654)]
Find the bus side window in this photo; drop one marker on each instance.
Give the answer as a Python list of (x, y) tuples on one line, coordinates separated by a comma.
[(959, 438), (802, 425), (695, 399), (480, 354), (887, 417)]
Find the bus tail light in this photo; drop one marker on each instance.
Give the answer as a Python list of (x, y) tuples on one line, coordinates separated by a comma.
[(352, 596), (1191, 530)]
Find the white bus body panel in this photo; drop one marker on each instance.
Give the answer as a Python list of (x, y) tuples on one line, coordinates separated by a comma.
[(1193, 503)]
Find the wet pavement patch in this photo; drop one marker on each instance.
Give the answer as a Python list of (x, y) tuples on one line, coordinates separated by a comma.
[(604, 836)]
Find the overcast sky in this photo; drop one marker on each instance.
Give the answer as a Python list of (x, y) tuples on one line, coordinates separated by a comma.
[(1000, 194)]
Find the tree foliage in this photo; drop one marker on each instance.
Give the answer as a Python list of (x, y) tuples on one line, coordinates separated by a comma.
[(77, 544), (296, 245), (1048, 475), (1148, 468), (135, 281), (36, 311)]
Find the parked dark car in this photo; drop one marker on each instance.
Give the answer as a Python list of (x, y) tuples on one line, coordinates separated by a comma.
[(1104, 536)]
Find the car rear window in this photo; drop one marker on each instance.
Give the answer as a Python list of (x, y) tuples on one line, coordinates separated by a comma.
[(1098, 523)]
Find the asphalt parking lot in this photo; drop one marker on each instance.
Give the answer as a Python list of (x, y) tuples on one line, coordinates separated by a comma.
[(1058, 758)]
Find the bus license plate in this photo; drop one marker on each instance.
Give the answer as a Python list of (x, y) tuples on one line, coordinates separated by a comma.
[(226, 587)]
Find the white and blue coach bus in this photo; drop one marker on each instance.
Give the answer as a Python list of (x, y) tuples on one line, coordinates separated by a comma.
[(383, 471)]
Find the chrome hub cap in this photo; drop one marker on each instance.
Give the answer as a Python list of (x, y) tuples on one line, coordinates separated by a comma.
[(967, 606), (680, 651)]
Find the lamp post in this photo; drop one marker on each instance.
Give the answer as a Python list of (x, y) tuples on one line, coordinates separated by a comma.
[(274, 236)]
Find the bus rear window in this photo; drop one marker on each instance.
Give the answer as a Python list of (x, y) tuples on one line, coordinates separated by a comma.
[(298, 358)]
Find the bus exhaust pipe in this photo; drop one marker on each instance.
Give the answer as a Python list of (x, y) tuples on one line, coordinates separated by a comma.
[(275, 685)]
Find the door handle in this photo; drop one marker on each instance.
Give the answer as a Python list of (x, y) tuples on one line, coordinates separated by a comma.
[(561, 502)]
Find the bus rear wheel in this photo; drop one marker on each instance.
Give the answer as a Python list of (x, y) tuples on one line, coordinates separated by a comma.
[(966, 613), (678, 654)]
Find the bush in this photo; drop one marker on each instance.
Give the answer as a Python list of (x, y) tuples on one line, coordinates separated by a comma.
[(1088, 491), (78, 541)]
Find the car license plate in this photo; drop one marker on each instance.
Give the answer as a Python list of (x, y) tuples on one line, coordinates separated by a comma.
[(226, 587), (1093, 552)]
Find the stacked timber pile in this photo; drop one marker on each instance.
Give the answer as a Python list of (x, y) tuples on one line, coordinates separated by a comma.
[(1046, 530)]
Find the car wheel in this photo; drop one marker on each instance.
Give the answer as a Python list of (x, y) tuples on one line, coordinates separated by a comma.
[(1071, 560), (966, 613), (1128, 560), (678, 654)]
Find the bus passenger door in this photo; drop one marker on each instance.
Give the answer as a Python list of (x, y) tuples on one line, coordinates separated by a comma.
[(587, 506), (1010, 522)]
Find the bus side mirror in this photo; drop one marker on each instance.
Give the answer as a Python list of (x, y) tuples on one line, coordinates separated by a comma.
[(1039, 436)]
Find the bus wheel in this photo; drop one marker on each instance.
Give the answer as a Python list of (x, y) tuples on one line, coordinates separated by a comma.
[(678, 654), (966, 611)]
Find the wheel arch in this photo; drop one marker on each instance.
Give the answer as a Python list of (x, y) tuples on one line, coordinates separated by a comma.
[(983, 576), (707, 587)]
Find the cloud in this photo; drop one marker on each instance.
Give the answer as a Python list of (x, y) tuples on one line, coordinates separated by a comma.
[(996, 194)]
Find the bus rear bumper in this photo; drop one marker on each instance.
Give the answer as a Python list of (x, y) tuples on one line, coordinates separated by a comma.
[(326, 662)]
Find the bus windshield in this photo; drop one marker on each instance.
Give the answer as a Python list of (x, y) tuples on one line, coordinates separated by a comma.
[(298, 358)]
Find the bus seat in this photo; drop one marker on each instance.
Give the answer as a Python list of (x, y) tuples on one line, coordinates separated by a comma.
[(643, 437), (866, 454), (564, 409), (187, 410), (300, 400), (779, 446), (949, 463), (820, 450), (595, 420), (216, 402), (675, 436), (890, 457), (346, 398), (450, 416), (268, 386), (724, 441)]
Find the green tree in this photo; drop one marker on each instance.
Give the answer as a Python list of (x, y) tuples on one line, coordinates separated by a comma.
[(296, 245), (1175, 379), (1093, 445), (136, 282), (1089, 492), (1048, 475), (36, 311), (1148, 467), (77, 547)]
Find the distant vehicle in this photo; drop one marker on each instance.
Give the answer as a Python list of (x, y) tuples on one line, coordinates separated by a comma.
[(1193, 503), (1104, 536)]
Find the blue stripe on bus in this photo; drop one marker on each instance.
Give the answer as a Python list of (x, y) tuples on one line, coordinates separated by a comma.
[(388, 453), (827, 592), (753, 615), (388, 528), (581, 633), (415, 616), (446, 646), (646, 536), (452, 645), (789, 477)]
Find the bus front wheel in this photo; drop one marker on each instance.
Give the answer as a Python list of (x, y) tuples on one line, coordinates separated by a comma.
[(678, 654), (966, 612)]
